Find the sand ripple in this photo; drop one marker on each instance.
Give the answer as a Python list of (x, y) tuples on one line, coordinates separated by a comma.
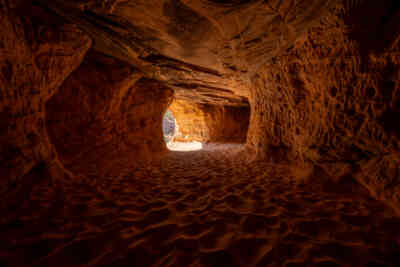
[(202, 208)]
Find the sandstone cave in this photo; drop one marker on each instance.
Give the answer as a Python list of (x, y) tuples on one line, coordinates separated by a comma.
[(296, 104)]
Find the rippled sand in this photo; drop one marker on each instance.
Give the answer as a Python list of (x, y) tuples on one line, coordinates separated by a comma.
[(200, 208)]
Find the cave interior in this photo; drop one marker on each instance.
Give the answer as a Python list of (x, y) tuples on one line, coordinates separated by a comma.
[(294, 106)]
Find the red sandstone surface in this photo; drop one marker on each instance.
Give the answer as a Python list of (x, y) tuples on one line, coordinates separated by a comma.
[(296, 104), (201, 208)]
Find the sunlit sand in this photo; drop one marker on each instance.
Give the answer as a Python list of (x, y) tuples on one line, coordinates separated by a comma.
[(185, 146)]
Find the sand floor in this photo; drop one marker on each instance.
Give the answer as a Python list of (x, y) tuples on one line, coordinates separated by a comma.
[(200, 208)]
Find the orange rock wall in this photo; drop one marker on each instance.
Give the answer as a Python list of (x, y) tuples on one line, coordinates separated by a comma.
[(333, 100), (106, 102), (209, 123), (35, 59)]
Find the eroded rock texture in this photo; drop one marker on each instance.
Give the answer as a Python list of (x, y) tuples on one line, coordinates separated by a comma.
[(106, 102), (334, 97), (210, 123), (206, 50), (309, 89), (36, 57)]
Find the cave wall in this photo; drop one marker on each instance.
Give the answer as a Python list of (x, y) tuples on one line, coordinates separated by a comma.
[(333, 99), (35, 58), (106, 102), (210, 123)]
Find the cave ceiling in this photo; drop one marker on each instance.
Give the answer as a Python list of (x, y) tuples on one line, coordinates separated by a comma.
[(207, 51)]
